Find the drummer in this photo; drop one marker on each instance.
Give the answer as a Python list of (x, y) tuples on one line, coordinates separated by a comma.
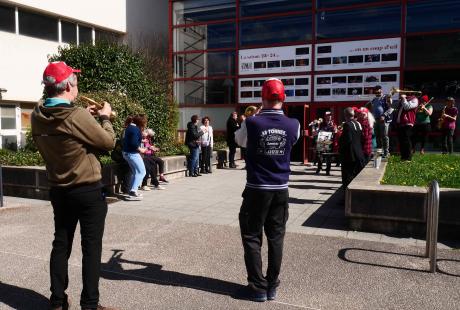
[(327, 125)]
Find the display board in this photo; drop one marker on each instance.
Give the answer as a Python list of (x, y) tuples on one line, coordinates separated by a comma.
[(381, 53), (297, 88), (353, 86), (285, 59)]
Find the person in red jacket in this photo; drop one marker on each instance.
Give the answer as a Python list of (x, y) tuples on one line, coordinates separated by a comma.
[(405, 122), (367, 122)]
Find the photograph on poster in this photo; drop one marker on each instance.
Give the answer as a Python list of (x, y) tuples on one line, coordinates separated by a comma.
[(246, 83), (388, 77), (323, 92), (355, 59), (390, 57), (246, 65), (274, 64), (287, 82), (260, 65), (287, 63), (324, 61), (339, 80), (339, 60), (246, 94), (302, 51), (355, 91), (302, 62), (371, 79), (368, 90), (259, 83), (301, 92), (324, 49), (373, 58), (323, 80), (353, 79), (257, 94), (339, 91), (289, 92), (302, 81)]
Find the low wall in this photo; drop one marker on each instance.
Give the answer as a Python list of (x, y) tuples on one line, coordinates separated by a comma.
[(370, 206), (32, 182)]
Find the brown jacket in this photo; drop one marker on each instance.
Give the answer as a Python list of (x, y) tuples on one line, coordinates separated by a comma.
[(69, 139)]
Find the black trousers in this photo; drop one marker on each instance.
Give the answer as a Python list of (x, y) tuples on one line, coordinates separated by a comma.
[(350, 170), (419, 134), (405, 145), (231, 154), (151, 170), (263, 210), (205, 162), (320, 163), (448, 140), (70, 207)]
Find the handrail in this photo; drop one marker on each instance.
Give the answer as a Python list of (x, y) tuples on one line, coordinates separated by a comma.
[(432, 220)]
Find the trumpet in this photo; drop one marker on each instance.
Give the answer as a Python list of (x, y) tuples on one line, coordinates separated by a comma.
[(395, 90), (98, 105)]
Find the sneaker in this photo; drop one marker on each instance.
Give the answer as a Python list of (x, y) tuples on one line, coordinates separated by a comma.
[(145, 188), (162, 179), (248, 293), (66, 306), (134, 196), (159, 187), (271, 293)]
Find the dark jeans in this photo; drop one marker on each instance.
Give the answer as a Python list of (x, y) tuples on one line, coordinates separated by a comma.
[(263, 210), (205, 163), (192, 164), (405, 145), (320, 163), (70, 207), (420, 133), (448, 140), (151, 170), (231, 154)]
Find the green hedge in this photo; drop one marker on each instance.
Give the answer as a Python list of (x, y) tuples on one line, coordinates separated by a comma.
[(20, 158)]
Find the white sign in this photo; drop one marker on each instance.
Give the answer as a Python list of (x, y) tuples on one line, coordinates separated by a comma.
[(297, 88), (381, 53), (285, 59), (353, 86)]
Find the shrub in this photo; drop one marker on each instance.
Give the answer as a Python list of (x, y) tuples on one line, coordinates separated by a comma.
[(20, 158)]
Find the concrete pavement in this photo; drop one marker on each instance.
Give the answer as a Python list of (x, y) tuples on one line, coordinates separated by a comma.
[(180, 249)]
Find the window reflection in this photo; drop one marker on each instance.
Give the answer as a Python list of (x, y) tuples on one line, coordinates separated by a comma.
[(258, 7), (68, 32), (219, 91), (276, 30), (433, 15), (205, 64), (334, 3), (193, 11), (7, 18), (85, 34), (38, 26), (363, 22), (204, 37), (433, 50)]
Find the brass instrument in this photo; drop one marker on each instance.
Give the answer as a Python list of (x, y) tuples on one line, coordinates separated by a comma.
[(441, 119), (98, 105), (395, 90)]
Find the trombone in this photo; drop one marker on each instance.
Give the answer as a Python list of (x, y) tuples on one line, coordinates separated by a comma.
[(395, 90)]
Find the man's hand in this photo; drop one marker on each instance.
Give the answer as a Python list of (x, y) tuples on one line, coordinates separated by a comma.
[(92, 109), (403, 96), (106, 110)]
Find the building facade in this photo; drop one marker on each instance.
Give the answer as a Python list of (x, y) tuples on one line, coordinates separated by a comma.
[(329, 54), (32, 30)]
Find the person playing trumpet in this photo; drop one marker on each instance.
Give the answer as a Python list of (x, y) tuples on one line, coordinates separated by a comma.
[(69, 139), (405, 122), (449, 118)]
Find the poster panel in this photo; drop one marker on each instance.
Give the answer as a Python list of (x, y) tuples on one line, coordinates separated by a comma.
[(353, 86), (285, 59), (381, 53), (296, 87)]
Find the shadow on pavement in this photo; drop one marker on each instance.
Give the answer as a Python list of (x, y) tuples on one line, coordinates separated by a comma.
[(21, 298), (371, 260), (331, 214), (153, 273), (309, 186)]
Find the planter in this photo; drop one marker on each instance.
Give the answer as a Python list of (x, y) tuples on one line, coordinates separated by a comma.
[(370, 206)]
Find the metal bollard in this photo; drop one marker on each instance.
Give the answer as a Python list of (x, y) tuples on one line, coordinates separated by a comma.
[(432, 221)]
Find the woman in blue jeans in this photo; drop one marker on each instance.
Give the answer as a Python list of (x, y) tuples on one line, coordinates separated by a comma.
[(191, 140), (132, 153)]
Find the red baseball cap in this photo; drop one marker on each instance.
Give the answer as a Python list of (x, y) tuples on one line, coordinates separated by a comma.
[(425, 98), (273, 89), (56, 72)]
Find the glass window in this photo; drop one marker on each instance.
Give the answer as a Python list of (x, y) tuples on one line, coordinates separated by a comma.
[(25, 118), (68, 32), (335, 3), (85, 34), (258, 7), (205, 91), (436, 83), (8, 117), (204, 37), (10, 142), (38, 26), (205, 64), (7, 20), (363, 22), (278, 30), (433, 15), (433, 50), (194, 11), (106, 36)]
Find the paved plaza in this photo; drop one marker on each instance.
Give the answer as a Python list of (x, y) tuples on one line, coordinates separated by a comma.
[(180, 249)]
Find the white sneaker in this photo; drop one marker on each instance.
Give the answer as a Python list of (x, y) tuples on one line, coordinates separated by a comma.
[(134, 196), (159, 187), (145, 188)]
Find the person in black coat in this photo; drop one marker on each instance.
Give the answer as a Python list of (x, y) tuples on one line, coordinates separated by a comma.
[(191, 140), (350, 149), (232, 126)]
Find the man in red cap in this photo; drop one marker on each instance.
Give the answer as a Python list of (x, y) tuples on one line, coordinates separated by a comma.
[(268, 138), (69, 139)]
